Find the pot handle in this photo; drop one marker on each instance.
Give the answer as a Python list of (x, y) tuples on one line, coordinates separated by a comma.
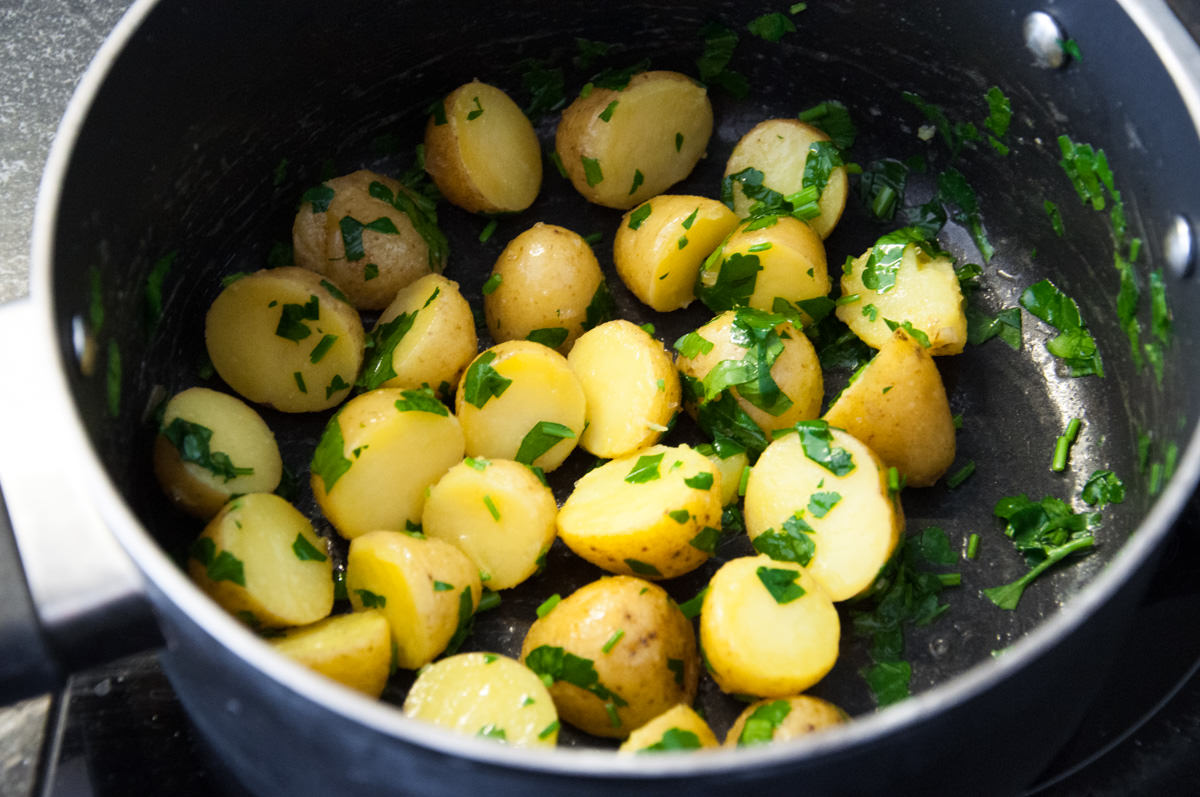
[(70, 597)]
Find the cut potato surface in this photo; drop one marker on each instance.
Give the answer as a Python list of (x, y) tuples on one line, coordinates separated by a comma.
[(782, 719), (498, 513), (767, 628), (640, 647), (897, 407), (261, 560), (286, 338), (427, 589), (482, 151), (620, 148), (485, 694), (547, 287), (619, 353), (211, 447), (731, 462), (820, 497), (353, 649), (677, 728), (424, 338), (378, 456), (918, 292), (520, 400), (779, 148), (660, 245), (368, 234), (655, 513)]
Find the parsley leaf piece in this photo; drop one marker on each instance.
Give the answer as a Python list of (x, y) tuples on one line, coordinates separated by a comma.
[(1055, 217), (1103, 487), (888, 681), (820, 503), (352, 234), (370, 600), (761, 724), (1006, 325), (955, 135), (307, 552), (192, 441), (706, 540), (642, 568), (961, 475), (693, 344), (832, 118), (673, 739), (1074, 345), (639, 215), (329, 462), (466, 621), (724, 417), (645, 469), (153, 293), (879, 272), (713, 64), (380, 349), (781, 583), (491, 284), (592, 172), (771, 27), (421, 400), (291, 324), (601, 308), (916, 334), (701, 481), (999, 112), (792, 544), (956, 193), (226, 567), (422, 213), (545, 86), (554, 664), (817, 441), (606, 114), (319, 196), (336, 384), (482, 381), (881, 187), (322, 348), (548, 336), (1160, 312), (820, 161), (541, 438), (732, 285)]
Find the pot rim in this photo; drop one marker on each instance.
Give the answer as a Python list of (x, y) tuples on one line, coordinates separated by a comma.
[(1181, 58)]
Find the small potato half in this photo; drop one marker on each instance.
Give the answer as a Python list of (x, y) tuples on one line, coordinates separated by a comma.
[(482, 152), (211, 447), (620, 148), (353, 649), (781, 719)]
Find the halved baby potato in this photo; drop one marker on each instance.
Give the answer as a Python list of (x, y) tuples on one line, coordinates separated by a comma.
[(482, 152), (427, 589), (210, 447), (286, 338), (730, 459), (424, 338), (917, 289), (622, 147), (661, 243), (379, 455), (655, 513), (677, 728), (897, 407), (353, 649), (782, 719), (498, 513), (369, 234), (546, 286), (619, 421), (488, 695), (767, 628), (520, 400), (780, 149), (819, 498), (261, 560)]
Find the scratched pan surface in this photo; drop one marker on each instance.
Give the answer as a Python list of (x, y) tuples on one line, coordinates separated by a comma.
[(215, 195)]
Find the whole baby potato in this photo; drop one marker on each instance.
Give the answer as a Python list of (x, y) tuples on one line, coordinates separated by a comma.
[(641, 647)]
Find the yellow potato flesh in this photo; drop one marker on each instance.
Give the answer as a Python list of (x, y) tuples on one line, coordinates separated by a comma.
[(679, 719), (804, 715), (419, 584), (754, 645), (649, 258), (485, 694), (926, 294), (238, 432), (637, 515), (391, 457), (619, 353), (353, 649), (779, 148), (264, 563), (729, 470), (542, 389), (242, 332), (498, 513), (855, 537), (792, 258), (897, 406)]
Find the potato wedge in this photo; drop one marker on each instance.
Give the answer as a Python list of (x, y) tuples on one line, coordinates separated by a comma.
[(368, 234), (353, 649), (286, 338), (521, 400), (620, 148), (897, 406), (915, 290), (781, 719), (427, 589), (767, 628), (211, 447), (261, 560), (820, 498), (482, 152), (655, 513), (639, 645), (660, 245), (618, 422), (677, 728), (485, 694), (424, 338), (780, 149), (547, 287), (498, 513), (379, 455)]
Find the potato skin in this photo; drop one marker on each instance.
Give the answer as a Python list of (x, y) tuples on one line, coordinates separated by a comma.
[(659, 128), (651, 666), (806, 714), (678, 718), (353, 649)]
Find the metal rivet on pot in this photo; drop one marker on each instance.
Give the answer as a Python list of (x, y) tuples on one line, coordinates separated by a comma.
[(1043, 38), (1179, 247)]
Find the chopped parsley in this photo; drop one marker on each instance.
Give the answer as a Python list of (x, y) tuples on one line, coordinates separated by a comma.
[(329, 461), (645, 469), (674, 739), (291, 324), (817, 441), (307, 552), (761, 724), (755, 331), (548, 605), (491, 508), (638, 179), (555, 664), (613, 640), (541, 438), (713, 64), (1074, 344), (820, 503), (642, 568), (680, 516), (639, 215), (601, 308), (706, 540), (792, 544), (475, 112), (771, 27), (380, 350), (421, 400), (492, 283), (606, 114), (322, 348), (370, 600), (961, 475), (192, 441), (701, 481), (335, 385), (482, 381), (592, 172), (693, 344), (222, 566), (1103, 487), (352, 234), (732, 285), (781, 583), (833, 119), (548, 336)]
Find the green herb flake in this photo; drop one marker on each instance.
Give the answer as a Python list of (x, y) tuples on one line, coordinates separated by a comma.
[(592, 171), (817, 442), (370, 600), (639, 215), (781, 583), (680, 516), (307, 552), (491, 508), (483, 382), (192, 441), (601, 308), (771, 27), (488, 230), (642, 568), (961, 475), (352, 234), (693, 344), (678, 141), (706, 540), (673, 739), (645, 469), (554, 664), (1103, 487), (319, 197), (833, 118), (763, 721), (820, 503), (701, 481), (336, 385), (549, 730), (1055, 217), (1071, 48), (889, 681), (442, 586), (606, 114), (329, 462), (613, 640), (322, 348), (490, 731), (492, 283), (291, 324), (421, 400), (713, 63), (548, 605), (476, 112), (541, 438), (1074, 344)]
